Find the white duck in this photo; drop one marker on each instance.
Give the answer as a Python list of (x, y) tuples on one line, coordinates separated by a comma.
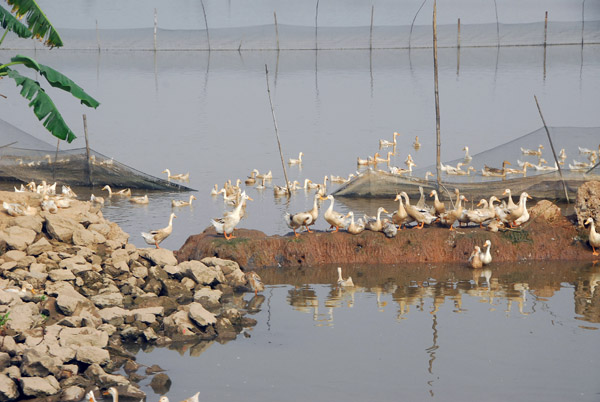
[(512, 215), (229, 221), (22, 291), (481, 215), (438, 205), (376, 225), (297, 220), (344, 282), (594, 237), (298, 161), (468, 158), (182, 203), (14, 209), (140, 200), (180, 176), (157, 236), (386, 143), (334, 218), (355, 227), (421, 216), (400, 216), (49, 205), (126, 192), (193, 398), (96, 200), (486, 256)]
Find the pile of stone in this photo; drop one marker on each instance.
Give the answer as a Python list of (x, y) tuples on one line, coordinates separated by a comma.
[(94, 293)]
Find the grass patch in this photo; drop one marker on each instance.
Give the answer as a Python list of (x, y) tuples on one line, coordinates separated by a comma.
[(517, 236)]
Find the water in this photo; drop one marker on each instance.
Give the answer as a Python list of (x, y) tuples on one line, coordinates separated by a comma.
[(524, 332)]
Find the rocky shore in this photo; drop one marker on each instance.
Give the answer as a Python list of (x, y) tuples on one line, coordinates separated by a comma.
[(93, 293)]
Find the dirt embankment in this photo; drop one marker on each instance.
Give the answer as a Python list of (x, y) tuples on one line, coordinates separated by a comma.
[(547, 236)]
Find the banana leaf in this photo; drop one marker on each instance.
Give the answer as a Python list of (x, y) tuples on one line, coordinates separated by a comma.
[(43, 107), (36, 20), (10, 23), (58, 80)]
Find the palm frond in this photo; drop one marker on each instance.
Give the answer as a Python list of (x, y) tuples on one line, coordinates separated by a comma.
[(37, 22), (43, 107), (58, 80), (10, 23)]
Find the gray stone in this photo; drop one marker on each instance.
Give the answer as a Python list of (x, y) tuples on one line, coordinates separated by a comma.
[(38, 362), (101, 228), (227, 266), (8, 389), (13, 372), (69, 304), (7, 266), (61, 228), (8, 345), (173, 270), (179, 323), (23, 316), (72, 394), (61, 275), (117, 235), (92, 354), (176, 291), (13, 255), (120, 255), (236, 278), (104, 300), (40, 387), (4, 360), (157, 310), (200, 315), (74, 337), (209, 298), (19, 238), (38, 268), (34, 222), (83, 237), (160, 256), (149, 335), (145, 318), (40, 246), (139, 271)]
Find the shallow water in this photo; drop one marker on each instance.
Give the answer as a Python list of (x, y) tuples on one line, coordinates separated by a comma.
[(516, 331)]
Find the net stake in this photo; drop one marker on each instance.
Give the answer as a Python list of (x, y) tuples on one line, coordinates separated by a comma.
[(437, 102), (87, 150)]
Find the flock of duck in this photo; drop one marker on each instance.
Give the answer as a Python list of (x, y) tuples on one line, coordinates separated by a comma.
[(112, 391)]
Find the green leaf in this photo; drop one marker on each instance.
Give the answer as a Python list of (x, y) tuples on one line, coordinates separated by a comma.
[(43, 107), (36, 21), (9, 22), (58, 80)]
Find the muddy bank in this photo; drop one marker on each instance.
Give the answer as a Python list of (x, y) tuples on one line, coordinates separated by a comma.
[(547, 236)]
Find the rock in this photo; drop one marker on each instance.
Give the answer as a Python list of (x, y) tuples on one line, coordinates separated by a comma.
[(114, 315), (61, 275), (18, 238), (208, 297), (236, 278), (14, 255), (83, 237), (176, 291), (155, 368), (4, 360), (38, 362), (179, 324), (40, 387), (95, 373), (8, 345), (199, 272), (139, 271), (8, 389), (7, 266), (101, 228), (159, 256), (145, 318), (40, 246), (72, 394), (104, 300), (117, 235), (34, 222), (227, 266), (587, 203), (75, 337), (92, 354), (23, 316), (120, 255), (68, 304), (61, 228), (545, 210), (161, 383), (200, 315)]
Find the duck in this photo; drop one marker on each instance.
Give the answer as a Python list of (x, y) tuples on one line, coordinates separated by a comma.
[(49, 205), (532, 152), (382, 160), (389, 229), (475, 259), (400, 216), (385, 143), (215, 190), (89, 397), (344, 282), (438, 205), (112, 391), (140, 200), (193, 398), (298, 161), (498, 172), (68, 192), (229, 221), (251, 180), (334, 218), (509, 202), (126, 192), (180, 176), (355, 227), (254, 282), (376, 225), (400, 171), (461, 172), (594, 237), (182, 203), (512, 215), (428, 174), (486, 256), (361, 162), (15, 209), (63, 202), (494, 225), (96, 200), (300, 219), (266, 176), (452, 216), (449, 169), (25, 289), (468, 158), (562, 155), (421, 216), (23, 189), (481, 215), (157, 236), (261, 186), (584, 150), (372, 160), (416, 144)]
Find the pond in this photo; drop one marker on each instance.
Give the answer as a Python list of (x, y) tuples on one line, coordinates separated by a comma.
[(513, 332)]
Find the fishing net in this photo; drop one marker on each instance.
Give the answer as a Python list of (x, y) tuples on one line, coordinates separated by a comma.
[(579, 148), (24, 158)]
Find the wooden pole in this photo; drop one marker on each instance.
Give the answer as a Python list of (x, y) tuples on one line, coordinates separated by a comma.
[(545, 28), (87, 150), (458, 34), (316, 25), (287, 182), (413, 23), (437, 101), (371, 31), (155, 27), (553, 151), (205, 24), (97, 35), (55, 159), (582, 20), (497, 24), (276, 29)]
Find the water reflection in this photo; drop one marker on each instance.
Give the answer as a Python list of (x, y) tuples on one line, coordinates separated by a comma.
[(514, 289)]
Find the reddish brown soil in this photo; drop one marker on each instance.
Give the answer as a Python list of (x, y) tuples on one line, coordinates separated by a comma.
[(545, 238)]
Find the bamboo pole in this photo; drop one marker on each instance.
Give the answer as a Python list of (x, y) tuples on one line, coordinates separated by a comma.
[(413, 23), (553, 151), (276, 29), (287, 182), (205, 24), (437, 101), (458, 34), (371, 30), (497, 24), (582, 20), (545, 28), (317, 25), (55, 159), (87, 150), (97, 35), (155, 27)]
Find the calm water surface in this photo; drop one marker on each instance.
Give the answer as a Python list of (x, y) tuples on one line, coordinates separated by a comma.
[(526, 332)]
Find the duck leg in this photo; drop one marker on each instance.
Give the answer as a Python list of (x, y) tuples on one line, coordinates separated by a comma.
[(156, 244), (420, 225), (595, 252), (336, 229), (296, 234)]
